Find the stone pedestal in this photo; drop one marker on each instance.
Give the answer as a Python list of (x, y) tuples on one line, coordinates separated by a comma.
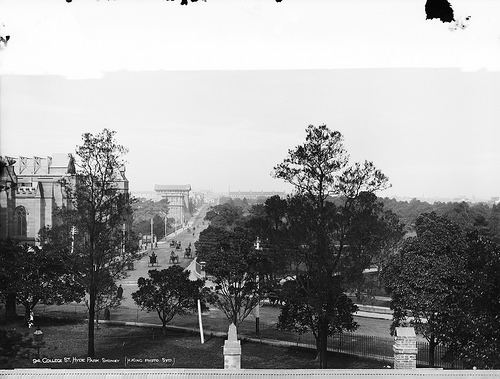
[(232, 350), (405, 349)]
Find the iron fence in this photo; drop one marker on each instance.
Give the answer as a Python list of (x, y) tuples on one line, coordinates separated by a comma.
[(375, 347), (379, 348)]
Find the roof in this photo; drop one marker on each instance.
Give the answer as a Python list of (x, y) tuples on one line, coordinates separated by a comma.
[(172, 187)]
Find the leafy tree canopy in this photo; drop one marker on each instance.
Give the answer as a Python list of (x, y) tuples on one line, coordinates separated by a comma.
[(169, 292), (320, 231), (445, 282)]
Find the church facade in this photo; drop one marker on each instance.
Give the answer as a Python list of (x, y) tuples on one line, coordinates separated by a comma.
[(31, 189)]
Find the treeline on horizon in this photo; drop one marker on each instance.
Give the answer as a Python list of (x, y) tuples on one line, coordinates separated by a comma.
[(483, 217)]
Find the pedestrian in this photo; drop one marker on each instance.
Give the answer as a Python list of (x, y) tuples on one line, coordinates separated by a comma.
[(119, 292), (107, 314)]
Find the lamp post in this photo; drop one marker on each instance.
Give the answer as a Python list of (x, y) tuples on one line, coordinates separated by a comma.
[(151, 233), (164, 214), (38, 340), (124, 230), (257, 308), (73, 232)]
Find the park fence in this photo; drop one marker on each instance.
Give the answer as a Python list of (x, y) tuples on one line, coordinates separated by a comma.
[(360, 345), (379, 348)]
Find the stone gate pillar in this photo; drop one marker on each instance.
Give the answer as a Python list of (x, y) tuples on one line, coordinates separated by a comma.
[(232, 349), (405, 348)]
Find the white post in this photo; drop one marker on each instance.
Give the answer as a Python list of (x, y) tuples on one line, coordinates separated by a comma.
[(123, 238), (232, 349), (202, 337), (73, 231)]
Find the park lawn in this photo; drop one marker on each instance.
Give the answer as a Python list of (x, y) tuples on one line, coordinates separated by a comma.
[(140, 347)]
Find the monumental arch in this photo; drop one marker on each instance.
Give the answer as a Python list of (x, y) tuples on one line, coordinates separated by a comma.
[(178, 200)]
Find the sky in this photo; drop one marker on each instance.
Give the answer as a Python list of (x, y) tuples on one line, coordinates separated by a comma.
[(213, 94)]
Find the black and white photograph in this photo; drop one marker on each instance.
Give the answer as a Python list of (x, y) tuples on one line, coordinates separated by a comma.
[(252, 188)]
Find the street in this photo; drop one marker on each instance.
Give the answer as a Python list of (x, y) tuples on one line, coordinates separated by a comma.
[(187, 235)]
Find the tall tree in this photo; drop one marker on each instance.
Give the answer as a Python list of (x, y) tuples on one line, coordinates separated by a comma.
[(424, 276), (470, 321), (100, 207), (169, 292), (319, 169)]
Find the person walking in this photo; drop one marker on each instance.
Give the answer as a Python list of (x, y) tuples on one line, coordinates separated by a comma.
[(119, 292)]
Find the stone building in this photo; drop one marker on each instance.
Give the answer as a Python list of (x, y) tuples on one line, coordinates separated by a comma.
[(34, 192), (30, 192), (178, 200)]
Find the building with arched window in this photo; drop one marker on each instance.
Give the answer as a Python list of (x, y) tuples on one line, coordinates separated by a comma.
[(30, 191), (20, 230)]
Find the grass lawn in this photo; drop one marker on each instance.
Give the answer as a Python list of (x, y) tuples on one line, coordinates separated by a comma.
[(138, 347)]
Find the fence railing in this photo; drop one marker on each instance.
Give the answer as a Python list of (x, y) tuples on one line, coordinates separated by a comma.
[(375, 347), (378, 348)]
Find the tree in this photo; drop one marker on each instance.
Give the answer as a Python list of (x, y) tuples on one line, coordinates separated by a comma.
[(234, 265), (447, 280), (8, 275), (470, 321), (425, 276), (319, 170), (99, 209), (37, 275), (299, 314), (226, 216), (107, 297), (169, 292), (373, 234), (144, 211)]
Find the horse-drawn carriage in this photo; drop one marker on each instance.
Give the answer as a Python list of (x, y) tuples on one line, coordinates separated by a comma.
[(178, 246), (172, 243), (187, 252), (153, 260), (174, 258)]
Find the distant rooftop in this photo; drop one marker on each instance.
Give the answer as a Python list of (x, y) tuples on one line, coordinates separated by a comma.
[(254, 194), (172, 187)]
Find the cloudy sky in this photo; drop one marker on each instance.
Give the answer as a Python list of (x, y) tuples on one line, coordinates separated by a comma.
[(214, 93)]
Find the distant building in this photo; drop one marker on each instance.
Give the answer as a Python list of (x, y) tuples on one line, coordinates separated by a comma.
[(255, 195), (178, 200), (148, 195)]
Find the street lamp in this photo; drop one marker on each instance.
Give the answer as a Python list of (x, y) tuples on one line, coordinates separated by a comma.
[(151, 233), (38, 340), (257, 308), (165, 215)]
